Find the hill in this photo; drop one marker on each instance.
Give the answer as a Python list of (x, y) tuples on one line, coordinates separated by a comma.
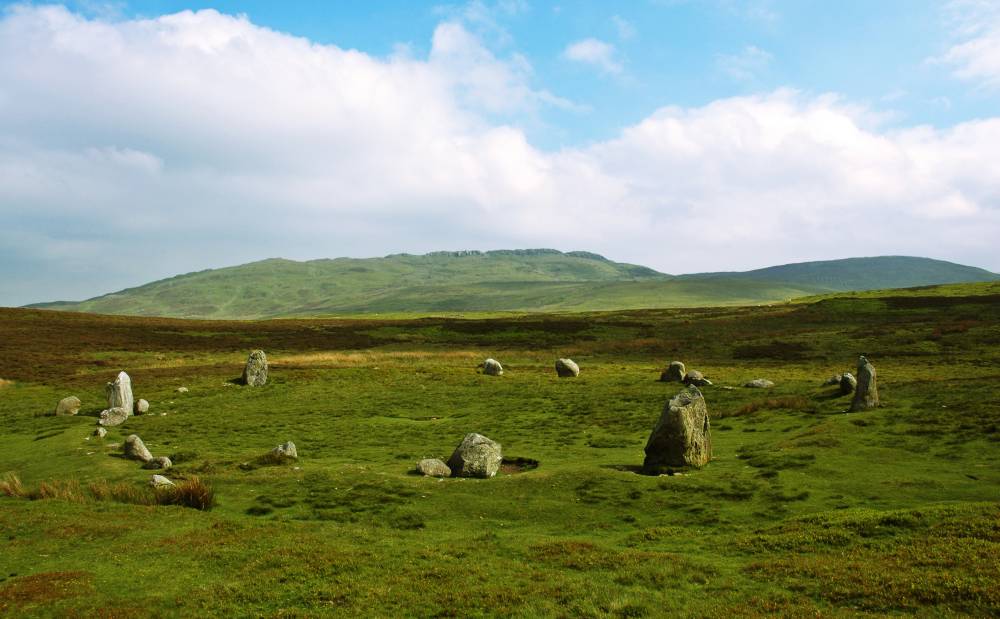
[(495, 281)]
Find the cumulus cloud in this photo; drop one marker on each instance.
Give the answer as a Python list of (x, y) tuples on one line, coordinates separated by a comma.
[(137, 149), (596, 53), (745, 65), (976, 54)]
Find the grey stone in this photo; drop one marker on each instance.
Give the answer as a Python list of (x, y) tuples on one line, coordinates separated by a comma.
[(119, 393), (866, 392), (135, 449), (492, 367), (255, 371), (68, 406), (833, 380), (141, 406), (286, 449), (476, 456), (161, 462), (100, 432), (682, 436), (696, 378), (113, 416), (159, 481), (182, 390), (759, 383), (432, 467), (567, 368), (847, 383), (674, 373)]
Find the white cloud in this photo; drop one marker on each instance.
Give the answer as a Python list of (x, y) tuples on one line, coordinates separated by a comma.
[(976, 54), (745, 65), (624, 27), (144, 148), (596, 53)]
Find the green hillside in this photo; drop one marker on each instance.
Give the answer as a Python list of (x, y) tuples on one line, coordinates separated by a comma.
[(495, 281)]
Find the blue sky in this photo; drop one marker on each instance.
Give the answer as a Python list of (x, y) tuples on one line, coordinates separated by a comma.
[(209, 134)]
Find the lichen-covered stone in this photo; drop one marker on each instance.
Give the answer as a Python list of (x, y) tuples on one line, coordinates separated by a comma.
[(866, 391), (141, 407), (833, 380), (432, 467), (255, 371), (113, 416), (100, 432), (847, 383), (161, 462), (492, 367), (567, 368), (759, 383), (696, 378), (159, 481), (68, 406), (135, 449), (476, 456), (119, 393), (682, 436), (286, 449), (674, 373)]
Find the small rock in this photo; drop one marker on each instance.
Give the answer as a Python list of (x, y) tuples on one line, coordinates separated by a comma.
[(866, 392), (159, 481), (286, 449), (567, 368), (113, 416), (847, 383), (161, 462), (141, 406), (696, 378), (476, 456), (255, 371), (182, 390), (432, 467), (492, 367), (759, 383), (833, 380), (674, 373), (135, 449), (100, 432), (68, 406), (119, 393)]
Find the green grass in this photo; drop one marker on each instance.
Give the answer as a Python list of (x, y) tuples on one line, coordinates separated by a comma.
[(804, 510)]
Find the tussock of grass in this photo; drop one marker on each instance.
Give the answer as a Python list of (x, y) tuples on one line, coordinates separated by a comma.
[(193, 493), (11, 486), (5, 383)]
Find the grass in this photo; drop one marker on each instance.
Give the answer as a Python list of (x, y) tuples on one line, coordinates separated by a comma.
[(805, 509)]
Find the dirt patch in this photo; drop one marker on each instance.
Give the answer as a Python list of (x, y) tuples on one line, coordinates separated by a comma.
[(44, 587), (512, 466)]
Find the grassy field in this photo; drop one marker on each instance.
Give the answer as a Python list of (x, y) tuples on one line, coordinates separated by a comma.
[(805, 510)]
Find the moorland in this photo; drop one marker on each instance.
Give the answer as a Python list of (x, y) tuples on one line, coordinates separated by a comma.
[(804, 510)]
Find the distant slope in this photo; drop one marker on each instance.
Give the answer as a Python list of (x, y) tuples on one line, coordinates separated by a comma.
[(506, 280), (864, 273)]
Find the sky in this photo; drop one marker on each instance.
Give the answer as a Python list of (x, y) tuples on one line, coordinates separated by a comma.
[(143, 139)]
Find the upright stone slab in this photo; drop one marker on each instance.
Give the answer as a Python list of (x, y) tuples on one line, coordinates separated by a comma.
[(567, 368), (674, 373), (255, 372), (492, 367), (682, 436), (866, 392), (119, 393), (476, 456)]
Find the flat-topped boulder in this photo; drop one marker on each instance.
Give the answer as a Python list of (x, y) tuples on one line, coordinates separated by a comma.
[(696, 378), (567, 368), (682, 436), (759, 383), (674, 373), (68, 406), (113, 416), (476, 456), (119, 393), (433, 467), (255, 370)]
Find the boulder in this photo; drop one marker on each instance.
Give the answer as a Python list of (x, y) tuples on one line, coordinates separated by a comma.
[(567, 368), (113, 416), (674, 373), (476, 456), (492, 367), (833, 380), (100, 432), (141, 406), (255, 371), (161, 462), (119, 393), (847, 383), (135, 449), (696, 378), (159, 481), (866, 391), (759, 383), (286, 449), (68, 406), (432, 467), (182, 390), (682, 436)]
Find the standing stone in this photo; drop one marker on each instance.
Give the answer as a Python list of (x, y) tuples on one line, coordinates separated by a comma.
[(492, 367), (286, 449), (432, 467), (674, 373), (120, 393), (866, 392), (696, 378), (760, 383), (681, 436), (847, 383), (141, 406), (135, 449), (68, 406), (113, 416), (476, 456), (255, 372), (567, 368)]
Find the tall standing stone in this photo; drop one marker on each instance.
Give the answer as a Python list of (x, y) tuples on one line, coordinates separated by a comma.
[(866, 391), (674, 372), (120, 393), (255, 372), (682, 436)]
